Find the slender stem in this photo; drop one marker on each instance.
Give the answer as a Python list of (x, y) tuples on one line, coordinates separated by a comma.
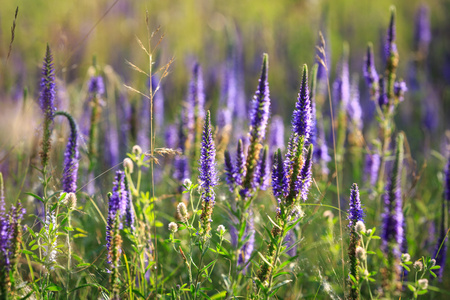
[(69, 252)]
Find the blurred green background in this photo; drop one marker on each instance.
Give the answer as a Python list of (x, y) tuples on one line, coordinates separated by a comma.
[(205, 29)]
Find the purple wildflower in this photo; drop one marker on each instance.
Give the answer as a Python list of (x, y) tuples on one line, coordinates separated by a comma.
[(181, 168), (47, 103), (323, 58), (207, 169), (305, 178), (279, 180), (390, 48), (239, 171), (399, 90), (290, 239), (422, 30), (197, 93), (129, 211), (342, 83), (383, 99), (227, 98), (170, 136), (96, 86), (48, 88), (71, 156), (158, 102), (259, 115), (392, 230), (301, 118), (117, 207), (354, 107), (208, 175), (370, 72), (355, 211), (371, 167), (229, 171), (312, 98)]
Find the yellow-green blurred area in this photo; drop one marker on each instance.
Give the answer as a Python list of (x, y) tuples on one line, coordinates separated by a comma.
[(204, 30)]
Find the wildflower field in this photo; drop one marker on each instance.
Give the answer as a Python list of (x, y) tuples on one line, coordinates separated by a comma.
[(205, 149)]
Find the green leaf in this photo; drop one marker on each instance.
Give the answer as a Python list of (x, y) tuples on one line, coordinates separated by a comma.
[(34, 247), (35, 196), (53, 288), (435, 268), (376, 237), (422, 292), (411, 287)]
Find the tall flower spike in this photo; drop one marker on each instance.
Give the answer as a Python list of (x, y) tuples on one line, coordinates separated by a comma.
[(354, 107), (208, 175), (370, 72), (260, 105), (47, 103), (355, 214), (355, 211), (342, 82), (239, 171), (71, 156), (129, 211), (371, 167), (229, 171), (392, 233), (422, 30), (301, 118), (390, 47), (259, 118), (305, 179), (117, 207), (279, 179), (392, 220)]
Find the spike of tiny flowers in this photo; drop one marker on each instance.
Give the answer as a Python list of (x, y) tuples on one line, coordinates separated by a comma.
[(117, 208), (279, 179), (392, 58), (370, 72), (208, 176), (239, 171), (301, 128), (259, 118), (392, 230), (305, 178), (47, 104), (312, 98), (422, 30), (354, 106), (229, 171), (301, 118), (96, 86), (71, 156), (355, 252)]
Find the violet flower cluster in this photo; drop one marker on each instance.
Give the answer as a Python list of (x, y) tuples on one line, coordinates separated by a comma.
[(208, 175), (119, 206)]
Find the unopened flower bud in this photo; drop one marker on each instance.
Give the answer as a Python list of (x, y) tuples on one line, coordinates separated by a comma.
[(137, 150), (71, 201), (360, 227), (221, 229), (182, 211), (173, 227), (423, 283), (361, 253), (418, 265), (128, 165), (406, 257)]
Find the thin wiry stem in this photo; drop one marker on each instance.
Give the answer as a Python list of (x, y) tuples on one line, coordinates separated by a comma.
[(335, 162)]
